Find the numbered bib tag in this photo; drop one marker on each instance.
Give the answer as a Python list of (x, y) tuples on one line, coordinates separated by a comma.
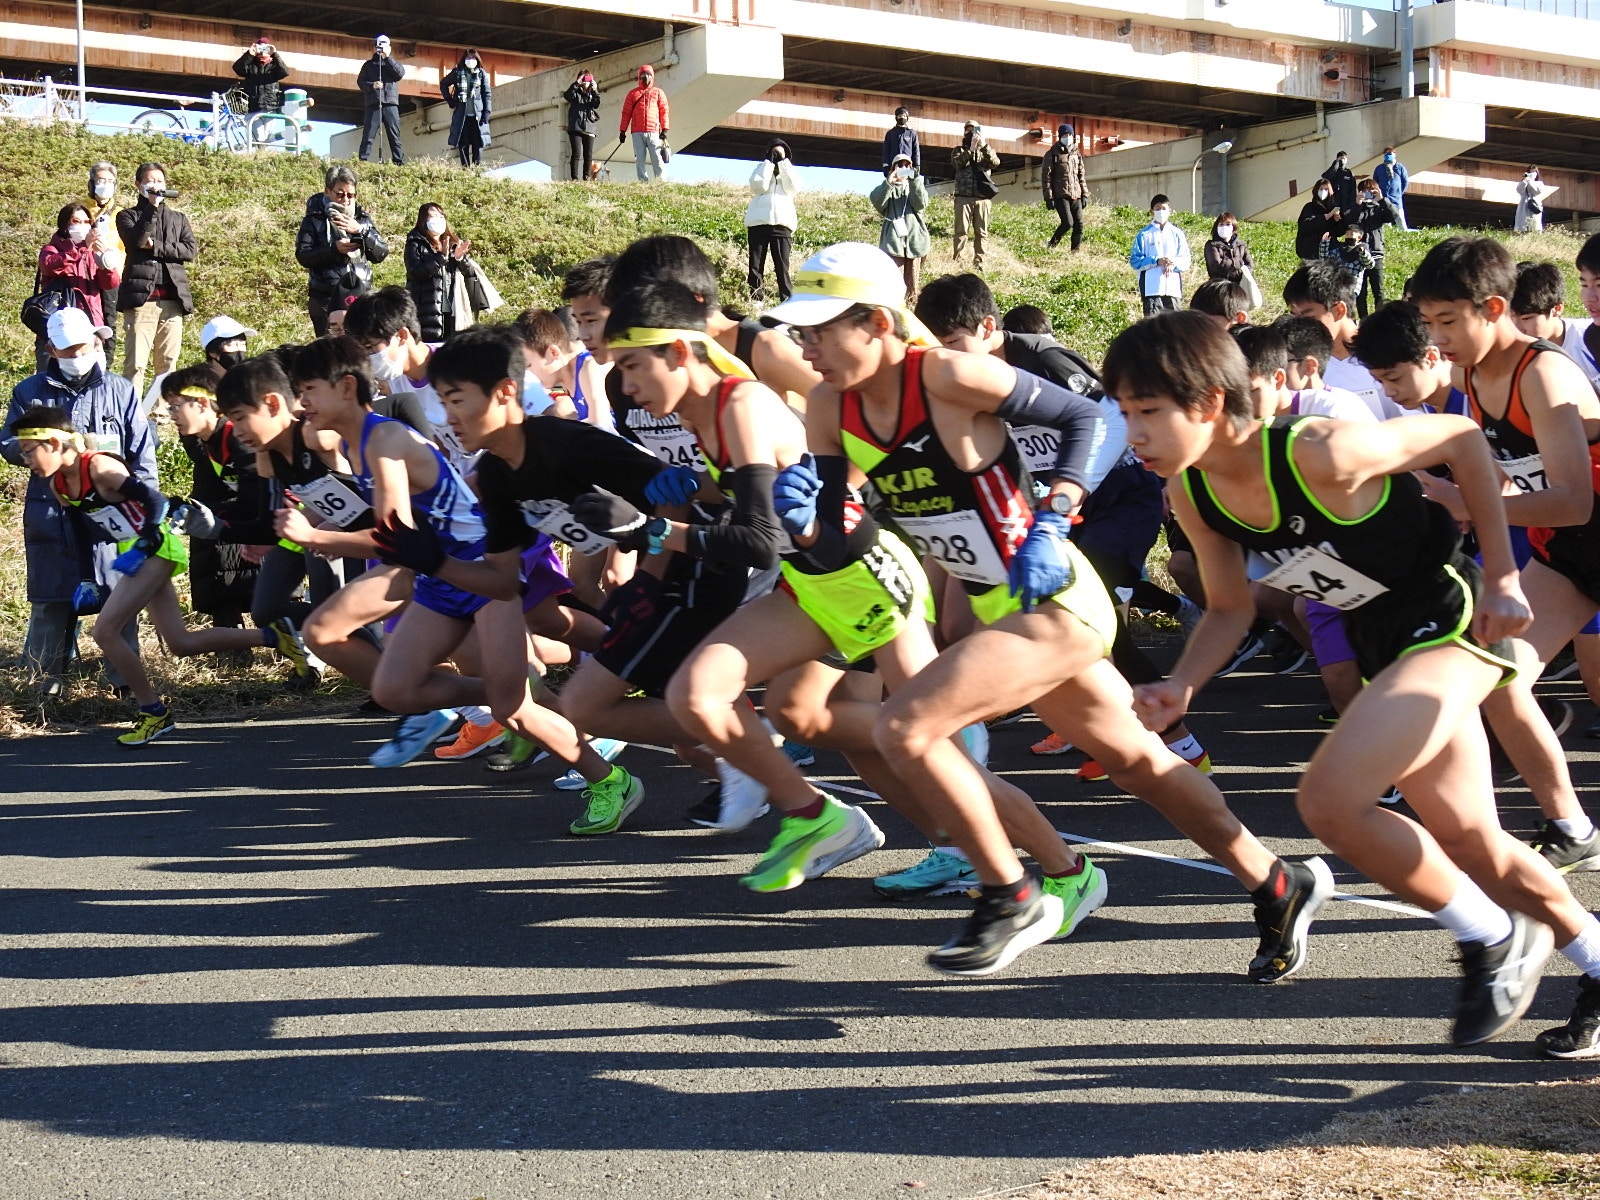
[(673, 445), (959, 542), (1318, 575), (114, 522), (331, 500), (1526, 473), (1038, 445), (554, 518), (107, 443)]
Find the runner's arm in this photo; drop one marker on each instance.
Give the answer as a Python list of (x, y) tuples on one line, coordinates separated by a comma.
[(1229, 606), (1553, 387)]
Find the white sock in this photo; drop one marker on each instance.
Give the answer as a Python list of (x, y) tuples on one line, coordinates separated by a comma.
[(1188, 747), (1581, 828), (953, 852), (477, 714), (1472, 917), (1583, 951)]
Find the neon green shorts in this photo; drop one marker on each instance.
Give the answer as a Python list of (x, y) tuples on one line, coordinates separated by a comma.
[(863, 607), (172, 549), (1085, 598)]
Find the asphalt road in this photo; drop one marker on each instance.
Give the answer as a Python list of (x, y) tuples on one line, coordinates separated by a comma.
[(241, 963)]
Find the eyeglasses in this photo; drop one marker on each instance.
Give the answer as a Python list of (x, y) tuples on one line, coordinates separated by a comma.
[(809, 335)]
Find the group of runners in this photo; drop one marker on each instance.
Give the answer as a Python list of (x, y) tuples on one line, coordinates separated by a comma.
[(906, 525)]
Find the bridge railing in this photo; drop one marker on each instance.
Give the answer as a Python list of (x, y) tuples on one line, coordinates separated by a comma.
[(1586, 10), (216, 119)]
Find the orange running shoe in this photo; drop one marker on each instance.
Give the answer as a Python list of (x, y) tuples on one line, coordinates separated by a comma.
[(1053, 744), (1092, 772), (473, 739)]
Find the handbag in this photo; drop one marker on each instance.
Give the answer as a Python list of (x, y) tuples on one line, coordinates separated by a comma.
[(1251, 287), (38, 308), (984, 186), (1535, 205), (484, 296)]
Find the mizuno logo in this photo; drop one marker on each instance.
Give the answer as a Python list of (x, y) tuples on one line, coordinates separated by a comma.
[(916, 446), (1297, 523), (1430, 627)]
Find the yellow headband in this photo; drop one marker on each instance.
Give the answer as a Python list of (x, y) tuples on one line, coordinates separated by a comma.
[(644, 339), (67, 437), (862, 291), (196, 393)]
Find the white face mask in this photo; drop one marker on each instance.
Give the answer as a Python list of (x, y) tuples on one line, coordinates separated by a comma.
[(77, 368), (1225, 232), (153, 192), (471, 64), (1322, 195), (384, 368), (437, 225), (1161, 215), (78, 232), (104, 190)]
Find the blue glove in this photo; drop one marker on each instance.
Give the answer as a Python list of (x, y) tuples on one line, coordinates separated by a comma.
[(130, 560), (674, 485), (1041, 567), (89, 597), (794, 496)]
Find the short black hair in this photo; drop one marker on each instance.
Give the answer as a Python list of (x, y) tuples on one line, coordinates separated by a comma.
[(665, 256), (1589, 255), (1027, 318), (1264, 349), (383, 314), (202, 375), (144, 170), (331, 359), (563, 313), (953, 302), (1392, 336), (1306, 337), (1539, 289), (539, 329), (1158, 198), (45, 416), (1181, 355), (486, 355), (657, 304), (247, 385), (1324, 283), (1464, 268), (1220, 298), (64, 217), (587, 278)]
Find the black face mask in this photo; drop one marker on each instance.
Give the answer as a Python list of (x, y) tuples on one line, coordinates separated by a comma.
[(229, 358)]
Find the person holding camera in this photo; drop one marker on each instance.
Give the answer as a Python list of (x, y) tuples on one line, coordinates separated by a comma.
[(900, 200), (770, 221), (263, 72), (379, 81), (646, 115), (466, 90), (337, 244), (154, 296), (1066, 189), (973, 160), (583, 121), (1530, 203)]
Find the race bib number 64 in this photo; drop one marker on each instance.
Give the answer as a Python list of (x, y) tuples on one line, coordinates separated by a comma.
[(1318, 575)]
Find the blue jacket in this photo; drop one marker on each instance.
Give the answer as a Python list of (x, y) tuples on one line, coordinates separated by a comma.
[(106, 408), (902, 139), (1391, 180)]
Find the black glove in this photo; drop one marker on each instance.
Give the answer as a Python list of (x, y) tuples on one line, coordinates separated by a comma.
[(612, 517), (196, 519), (622, 136), (635, 601), (401, 545)]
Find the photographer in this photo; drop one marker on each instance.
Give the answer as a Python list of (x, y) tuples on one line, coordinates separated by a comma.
[(466, 90), (900, 200), (263, 73), (379, 81), (770, 220), (973, 161), (154, 296), (583, 121), (337, 244)]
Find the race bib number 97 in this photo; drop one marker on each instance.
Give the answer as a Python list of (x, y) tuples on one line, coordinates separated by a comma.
[(1526, 474), (1318, 575)]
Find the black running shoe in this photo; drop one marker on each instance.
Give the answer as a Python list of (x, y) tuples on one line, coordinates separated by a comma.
[(1246, 650), (1329, 716), (1286, 922), (998, 931), (1563, 666), (709, 811), (1565, 852), (1291, 662), (1499, 982), (1580, 1036), (1558, 713)]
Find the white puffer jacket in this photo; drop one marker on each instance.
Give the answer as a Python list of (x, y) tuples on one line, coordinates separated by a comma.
[(775, 186)]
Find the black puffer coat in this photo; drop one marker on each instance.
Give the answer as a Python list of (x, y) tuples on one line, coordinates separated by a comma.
[(334, 273), (262, 81), (430, 278), (162, 264)]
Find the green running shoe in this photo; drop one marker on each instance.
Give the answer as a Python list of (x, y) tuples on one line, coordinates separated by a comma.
[(1080, 895), (805, 849), (514, 754), (940, 874), (148, 728), (610, 801)]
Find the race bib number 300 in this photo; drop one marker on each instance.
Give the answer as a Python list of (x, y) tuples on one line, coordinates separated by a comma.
[(1318, 575), (1038, 445), (1527, 474), (331, 500), (554, 518), (959, 542)]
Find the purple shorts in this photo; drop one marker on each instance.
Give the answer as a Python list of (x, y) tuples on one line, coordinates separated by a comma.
[(542, 575), (1328, 640)]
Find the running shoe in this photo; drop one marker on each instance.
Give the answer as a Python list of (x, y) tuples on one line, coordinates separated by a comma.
[(1093, 772), (1594, 729), (1246, 650), (1050, 745), (609, 803), (742, 799), (1079, 894), (997, 931), (1499, 982), (1558, 713), (1565, 852), (515, 753), (940, 874), (1189, 614), (147, 728), (414, 735), (800, 756), (1328, 716), (1004, 719), (805, 849), (1294, 661), (975, 738), (1286, 922), (473, 739), (1563, 666), (1580, 1036), (606, 748), (706, 811), (1391, 797), (292, 647)]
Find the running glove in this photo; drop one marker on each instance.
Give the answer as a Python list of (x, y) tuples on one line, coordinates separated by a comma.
[(673, 485), (401, 545), (794, 496), (133, 558), (609, 515), (196, 519), (1041, 567), (89, 597)]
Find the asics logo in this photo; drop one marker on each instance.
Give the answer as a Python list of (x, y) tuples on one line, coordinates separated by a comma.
[(1430, 627), (1297, 523), (916, 446)]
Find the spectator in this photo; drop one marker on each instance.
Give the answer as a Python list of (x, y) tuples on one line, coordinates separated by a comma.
[(336, 316), (1530, 203), (1065, 188), (1227, 255), (337, 244), (1320, 221), (379, 81), (1393, 179), (1027, 318), (223, 340), (1223, 299), (101, 203), (1343, 181), (154, 296), (59, 556), (973, 160), (583, 122), (646, 115), (1372, 214), (71, 262), (1160, 256), (263, 72), (900, 200), (770, 221), (1350, 252), (466, 90), (902, 139), (434, 257)]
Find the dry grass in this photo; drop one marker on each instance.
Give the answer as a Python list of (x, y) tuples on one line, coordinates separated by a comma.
[(1530, 1140)]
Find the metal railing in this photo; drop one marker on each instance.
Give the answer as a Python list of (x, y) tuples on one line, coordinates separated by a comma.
[(1585, 10), (214, 120)]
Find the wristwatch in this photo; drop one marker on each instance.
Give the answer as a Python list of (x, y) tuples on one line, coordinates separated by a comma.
[(1060, 503), (656, 529)]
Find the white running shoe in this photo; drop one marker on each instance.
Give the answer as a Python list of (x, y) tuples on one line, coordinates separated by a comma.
[(743, 799)]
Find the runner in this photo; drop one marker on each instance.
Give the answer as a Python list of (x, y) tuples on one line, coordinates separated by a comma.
[(950, 478), (1326, 292), (386, 325), (1335, 506)]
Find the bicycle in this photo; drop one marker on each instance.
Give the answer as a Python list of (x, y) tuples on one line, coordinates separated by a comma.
[(232, 128)]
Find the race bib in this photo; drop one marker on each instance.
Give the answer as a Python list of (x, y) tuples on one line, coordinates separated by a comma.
[(114, 522), (1038, 445), (107, 443), (1526, 473), (554, 518), (959, 542), (1318, 575), (331, 500), (674, 446)]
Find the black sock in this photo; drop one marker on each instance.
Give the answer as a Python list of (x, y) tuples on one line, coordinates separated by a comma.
[(1274, 888), (1021, 890)]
